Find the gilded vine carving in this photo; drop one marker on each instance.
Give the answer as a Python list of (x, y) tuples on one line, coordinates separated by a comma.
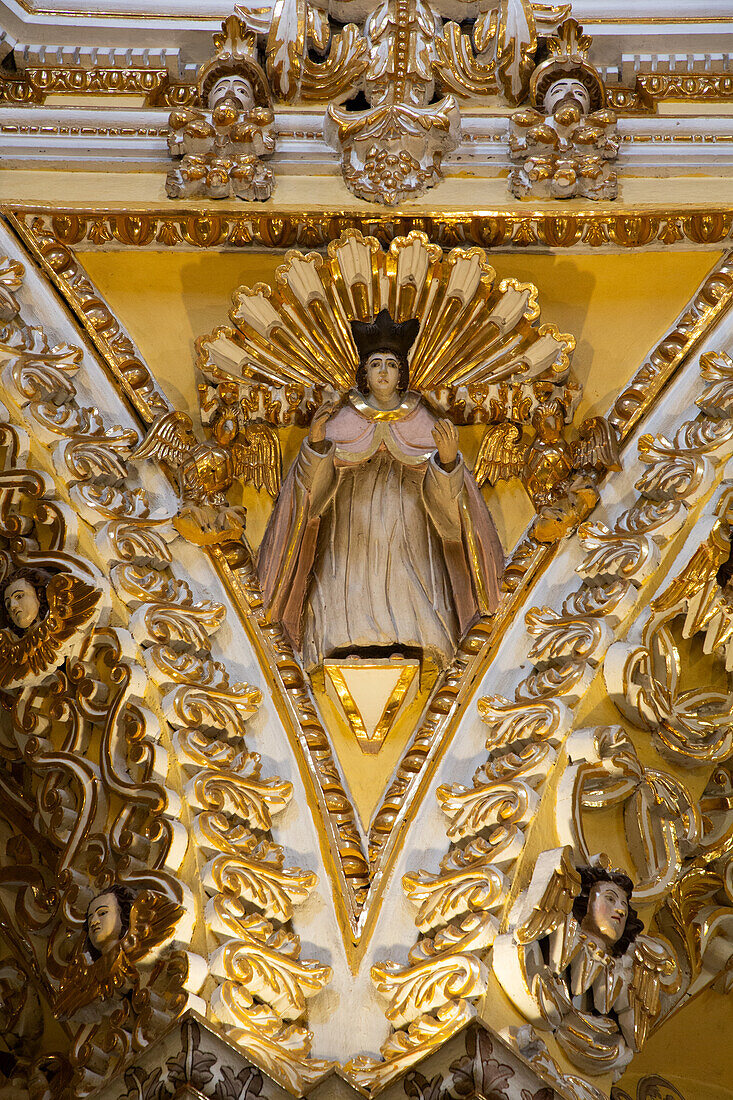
[(568, 649), (97, 743)]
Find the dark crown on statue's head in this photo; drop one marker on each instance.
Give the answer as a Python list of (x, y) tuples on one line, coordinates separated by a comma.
[(384, 334)]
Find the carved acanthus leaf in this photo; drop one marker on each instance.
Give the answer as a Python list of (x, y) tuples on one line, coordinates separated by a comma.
[(264, 963), (221, 709), (473, 809), (247, 868), (563, 635), (241, 791), (468, 883), (442, 970), (512, 721), (716, 367), (282, 1049), (609, 553), (406, 1047)]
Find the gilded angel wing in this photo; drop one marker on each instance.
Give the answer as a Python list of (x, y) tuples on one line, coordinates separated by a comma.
[(501, 454), (153, 918), (257, 456), (654, 967), (170, 439), (78, 987), (71, 604), (596, 445), (84, 981), (555, 903)]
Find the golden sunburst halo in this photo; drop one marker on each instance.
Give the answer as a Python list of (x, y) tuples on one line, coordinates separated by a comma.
[(479, 335)]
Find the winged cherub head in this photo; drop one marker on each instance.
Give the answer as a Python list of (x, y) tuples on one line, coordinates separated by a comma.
[(108, 919), (23, 600), (603, 908)]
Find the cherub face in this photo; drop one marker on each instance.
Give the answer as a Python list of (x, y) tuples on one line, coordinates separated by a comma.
[(104, 922), (383, 375), (21, 603), (608, 910)]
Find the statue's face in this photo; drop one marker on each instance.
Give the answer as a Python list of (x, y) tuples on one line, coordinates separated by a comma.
[(608, 910), (566, 88), (236, 88), (21, 603), (104, 921), (383, 375)]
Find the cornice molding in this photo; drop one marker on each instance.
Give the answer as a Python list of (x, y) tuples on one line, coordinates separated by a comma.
[(182, 31), (618, 227), (114, 138)]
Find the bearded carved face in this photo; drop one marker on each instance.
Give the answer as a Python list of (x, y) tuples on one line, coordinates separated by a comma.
[(566, 88), (22, 605), (608, 910), (104, 922), (236, 88)]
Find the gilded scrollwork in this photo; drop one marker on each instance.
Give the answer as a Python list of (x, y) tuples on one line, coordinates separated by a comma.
[(662, 821), (97, 741), (645, 680), (444, 967), (470, 881), (663, 825), (26, 1069), (646, 683), (257, 986)]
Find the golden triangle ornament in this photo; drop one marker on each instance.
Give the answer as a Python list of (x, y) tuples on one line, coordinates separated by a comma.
[(371, 694)]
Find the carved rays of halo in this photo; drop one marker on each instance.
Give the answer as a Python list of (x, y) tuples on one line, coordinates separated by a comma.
[(477, 332)]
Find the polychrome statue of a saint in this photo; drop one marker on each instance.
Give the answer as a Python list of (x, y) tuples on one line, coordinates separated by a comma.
[(380, 540)]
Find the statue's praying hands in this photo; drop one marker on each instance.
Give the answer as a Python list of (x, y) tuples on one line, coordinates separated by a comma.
[(445, 435)]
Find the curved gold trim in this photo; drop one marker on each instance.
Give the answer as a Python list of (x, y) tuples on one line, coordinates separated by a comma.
[(408, 404)]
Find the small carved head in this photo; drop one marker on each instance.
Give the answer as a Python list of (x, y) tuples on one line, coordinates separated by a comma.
[(23, 600), (235, 88), (383, 346), (566, 90), (548, 421), (603, 908), (108, 919)]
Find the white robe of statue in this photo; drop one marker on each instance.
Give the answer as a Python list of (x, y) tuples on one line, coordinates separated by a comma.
[(374, 544)]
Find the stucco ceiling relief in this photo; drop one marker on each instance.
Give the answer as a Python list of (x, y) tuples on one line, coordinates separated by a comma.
[(146, 656)]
